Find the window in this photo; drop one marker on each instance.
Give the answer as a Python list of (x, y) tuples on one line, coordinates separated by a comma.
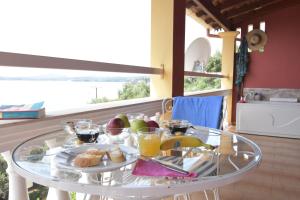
[(102, 31), (250, 28), (105, 31), (262, 26), (206, 58), (238, 40)]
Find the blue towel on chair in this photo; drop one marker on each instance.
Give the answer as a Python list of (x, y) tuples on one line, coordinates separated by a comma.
[(202, 111)]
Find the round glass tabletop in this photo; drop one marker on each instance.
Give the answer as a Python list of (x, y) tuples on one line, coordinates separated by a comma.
[(37, 159)]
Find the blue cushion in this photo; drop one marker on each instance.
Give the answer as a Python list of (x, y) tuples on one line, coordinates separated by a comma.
[(202, 111)]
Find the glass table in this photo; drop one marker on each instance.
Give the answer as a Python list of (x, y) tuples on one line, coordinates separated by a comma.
[(234, 157)]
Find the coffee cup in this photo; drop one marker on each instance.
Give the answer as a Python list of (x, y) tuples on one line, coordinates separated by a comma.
[(88, 134)]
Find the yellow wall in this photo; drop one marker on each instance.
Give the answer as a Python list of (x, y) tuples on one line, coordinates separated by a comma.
[(162, 46)]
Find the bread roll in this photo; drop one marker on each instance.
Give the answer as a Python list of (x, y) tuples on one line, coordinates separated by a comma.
[(116, 156), (96, 152), (86, 160)]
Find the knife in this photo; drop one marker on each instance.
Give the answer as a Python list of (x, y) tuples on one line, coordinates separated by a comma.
[(170, 166)]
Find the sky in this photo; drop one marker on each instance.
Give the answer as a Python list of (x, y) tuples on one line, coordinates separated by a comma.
[(97, 30)]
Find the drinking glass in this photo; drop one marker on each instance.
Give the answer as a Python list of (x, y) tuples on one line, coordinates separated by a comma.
[(149, 142), (87, 133), (117, 135), (176, 127), (69, 126)]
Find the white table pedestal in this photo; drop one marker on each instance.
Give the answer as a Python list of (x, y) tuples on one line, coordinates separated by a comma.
[(17, 184), (55, 194)]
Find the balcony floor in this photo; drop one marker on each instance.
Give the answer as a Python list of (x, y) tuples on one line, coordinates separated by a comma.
[(277, 178)]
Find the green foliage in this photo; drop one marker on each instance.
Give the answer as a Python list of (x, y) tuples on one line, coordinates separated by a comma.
[(205, 83), (3, 179), (38, 192), (73, 195), (133, 90), (3, 165), (100, 100), (201, 83), (3, 186), (130, 90), (214, 63)]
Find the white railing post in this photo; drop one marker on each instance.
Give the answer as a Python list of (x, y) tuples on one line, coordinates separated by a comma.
[(17, 184)]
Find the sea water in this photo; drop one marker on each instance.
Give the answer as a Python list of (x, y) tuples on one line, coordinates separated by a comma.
[(57, 95)]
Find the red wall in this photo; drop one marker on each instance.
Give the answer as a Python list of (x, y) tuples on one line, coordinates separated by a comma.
[(279, 65)]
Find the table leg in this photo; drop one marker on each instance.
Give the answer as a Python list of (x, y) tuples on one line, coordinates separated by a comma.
[(205, 194), (55, 194), (182, 196), (136, 198), (82, 196), (216, 194), (17, 184)]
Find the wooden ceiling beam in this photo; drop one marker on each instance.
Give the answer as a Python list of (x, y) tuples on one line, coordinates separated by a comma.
[(190, 4), (249, 8), (229, 3), (215, 26), (209, 20), (266, 10), (200, 13), (214, 13)]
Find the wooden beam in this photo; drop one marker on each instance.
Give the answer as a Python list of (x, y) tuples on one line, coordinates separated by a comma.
[(209, 20), (215, 14), (208, 34), (25, 60), (266, 10), (249, 7), (190, 4), (200, 13), (192, 14), (178, 48), (204, 74), (229, 3)]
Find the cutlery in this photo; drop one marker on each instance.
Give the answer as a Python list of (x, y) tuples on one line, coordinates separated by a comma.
[(167, 165)]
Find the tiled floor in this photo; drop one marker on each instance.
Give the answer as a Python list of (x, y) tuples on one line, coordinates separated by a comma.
[(277, 178)]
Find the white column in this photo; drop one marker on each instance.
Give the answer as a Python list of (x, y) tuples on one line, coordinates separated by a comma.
[(53, 193), (17, 184)]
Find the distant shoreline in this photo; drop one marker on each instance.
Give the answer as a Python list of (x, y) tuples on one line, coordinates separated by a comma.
[(75, 79)]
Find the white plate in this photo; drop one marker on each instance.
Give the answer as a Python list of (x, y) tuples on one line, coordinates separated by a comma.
[(65, 159)]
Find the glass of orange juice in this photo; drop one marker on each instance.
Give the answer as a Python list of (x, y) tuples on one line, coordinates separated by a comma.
[(149, 142)]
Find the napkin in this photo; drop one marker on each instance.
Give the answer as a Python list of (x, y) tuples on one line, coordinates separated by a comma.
[(151, 168)]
